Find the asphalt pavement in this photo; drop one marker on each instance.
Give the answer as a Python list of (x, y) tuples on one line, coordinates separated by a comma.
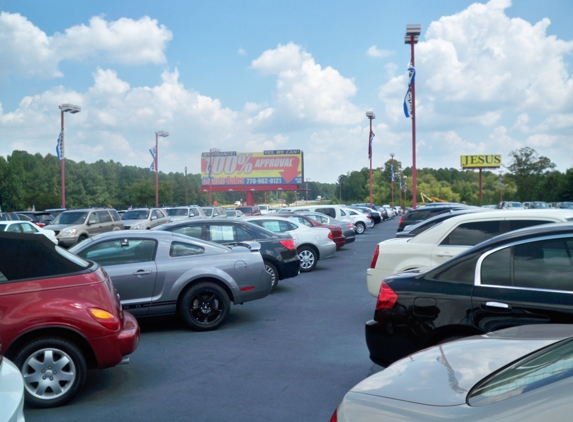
[(288, 357)]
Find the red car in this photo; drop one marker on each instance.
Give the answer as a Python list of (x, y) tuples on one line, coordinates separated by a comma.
[(337, 236), (59, 316)]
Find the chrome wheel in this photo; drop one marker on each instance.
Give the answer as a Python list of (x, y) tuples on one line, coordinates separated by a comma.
[(360, 228), (271, 269), (307, 259), (53, 370)]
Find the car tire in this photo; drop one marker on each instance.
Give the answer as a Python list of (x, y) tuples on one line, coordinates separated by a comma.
[(360, 227), (450, 338), (372, 224), (308, 259), (54, 371), (272, 270), (205, 306), (82, 238)]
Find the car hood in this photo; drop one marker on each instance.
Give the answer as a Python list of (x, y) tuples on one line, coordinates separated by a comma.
[(133, 222), (60, 227), (443, 375)]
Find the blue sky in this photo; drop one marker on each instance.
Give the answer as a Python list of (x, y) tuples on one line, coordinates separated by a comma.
[(255, 75)]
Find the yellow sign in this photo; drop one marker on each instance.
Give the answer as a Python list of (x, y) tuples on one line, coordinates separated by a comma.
[(483, 161)]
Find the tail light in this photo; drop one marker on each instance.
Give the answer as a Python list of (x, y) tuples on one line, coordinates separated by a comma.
[(330, 235), (369, 216), (41, 225), (386, 298), (375, 257), (401, 221), (105, 318), (334, 417), (288, 243)]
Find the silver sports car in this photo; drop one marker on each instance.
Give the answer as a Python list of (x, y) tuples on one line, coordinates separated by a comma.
[(520, 374), (159, 273)]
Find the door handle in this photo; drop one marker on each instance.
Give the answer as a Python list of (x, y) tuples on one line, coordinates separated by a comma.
[(446, 254), (498, 305), (142, 272)]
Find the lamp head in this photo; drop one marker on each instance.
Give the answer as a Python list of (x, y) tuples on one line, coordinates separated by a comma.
[(162, 133), (70, 108), (370, 114)]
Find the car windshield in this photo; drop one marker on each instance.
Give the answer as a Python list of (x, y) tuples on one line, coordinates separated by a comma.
[(231, 213), (545, 367), (177, 212), (136, 215), (71, 217), (208, 211)]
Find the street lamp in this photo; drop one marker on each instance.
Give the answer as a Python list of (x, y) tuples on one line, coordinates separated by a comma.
[(392, 176), (163, 134), (370, 114), (413, 31), (211, 151), (60, 148)]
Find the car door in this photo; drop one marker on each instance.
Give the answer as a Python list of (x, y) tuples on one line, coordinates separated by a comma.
[(463, 237), (528, 283), (94, 225), (131, 266)]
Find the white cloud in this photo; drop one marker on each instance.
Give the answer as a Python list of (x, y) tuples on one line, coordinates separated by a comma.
[(27, 51), (305, 90), (374, 51), (241, 52)]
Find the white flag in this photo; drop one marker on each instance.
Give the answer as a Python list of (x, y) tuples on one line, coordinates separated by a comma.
[(60, 147)]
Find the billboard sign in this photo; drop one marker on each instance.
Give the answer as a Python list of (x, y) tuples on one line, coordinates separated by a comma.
[(232, 168), (483, 161)]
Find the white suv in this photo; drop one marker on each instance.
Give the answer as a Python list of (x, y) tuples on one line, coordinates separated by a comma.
[(450, 238)]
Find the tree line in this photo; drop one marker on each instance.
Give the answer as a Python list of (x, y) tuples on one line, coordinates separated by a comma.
[(32, 180)]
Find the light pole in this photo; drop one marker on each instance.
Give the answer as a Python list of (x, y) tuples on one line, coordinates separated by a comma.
[(405, 190), (211, 151), (370, 114), (307, 180), (186, 201), (413, 31), (63, 109), (392, 176), (163, 134), (500, 187)]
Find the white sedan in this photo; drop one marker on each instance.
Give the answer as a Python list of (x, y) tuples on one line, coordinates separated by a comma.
[(312, 243), (448, 239), (360, 220), (27, 227)]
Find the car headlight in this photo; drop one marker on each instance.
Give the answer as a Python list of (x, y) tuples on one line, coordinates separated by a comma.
[(69, 232), (136, 227)]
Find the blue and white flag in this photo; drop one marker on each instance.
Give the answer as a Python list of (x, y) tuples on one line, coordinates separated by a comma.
[(400, 182), (60, 147), (152, 166), (152, 152), (405, 187), (408, 97), (392, 171), (370, 144)]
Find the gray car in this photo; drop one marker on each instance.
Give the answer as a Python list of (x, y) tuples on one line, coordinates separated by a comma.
[(160, 273), (517, 374), (144, 218), (183, 213), (348, 228)]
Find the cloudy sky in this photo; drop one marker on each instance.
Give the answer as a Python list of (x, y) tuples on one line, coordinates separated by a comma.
[(255, 75)]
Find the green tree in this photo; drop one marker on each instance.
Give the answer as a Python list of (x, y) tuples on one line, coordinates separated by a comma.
[(527, 169)]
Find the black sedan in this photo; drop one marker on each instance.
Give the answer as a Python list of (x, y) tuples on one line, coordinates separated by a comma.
[(277, 249), (519, 278)]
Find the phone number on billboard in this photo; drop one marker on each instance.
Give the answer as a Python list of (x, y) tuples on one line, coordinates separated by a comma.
[(264, 181)]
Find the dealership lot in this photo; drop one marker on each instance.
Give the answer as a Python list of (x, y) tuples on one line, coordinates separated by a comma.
[(290, 356)]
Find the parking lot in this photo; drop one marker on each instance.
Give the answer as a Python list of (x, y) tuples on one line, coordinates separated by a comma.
[(289, 357)]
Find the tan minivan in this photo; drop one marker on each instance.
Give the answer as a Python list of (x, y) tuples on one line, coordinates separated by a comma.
[(73, 226)]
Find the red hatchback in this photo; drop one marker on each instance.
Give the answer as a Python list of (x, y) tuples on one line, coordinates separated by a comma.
[(337, 236), (60, 317)]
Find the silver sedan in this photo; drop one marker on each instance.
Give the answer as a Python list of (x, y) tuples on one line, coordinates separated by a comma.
[(160, 273)]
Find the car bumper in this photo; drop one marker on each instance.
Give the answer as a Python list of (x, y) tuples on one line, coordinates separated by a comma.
[(374, 277), (67, 241), (386, 342), (12, 391), (255, 291), (288, 269), (110, 350), (327, 250)]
